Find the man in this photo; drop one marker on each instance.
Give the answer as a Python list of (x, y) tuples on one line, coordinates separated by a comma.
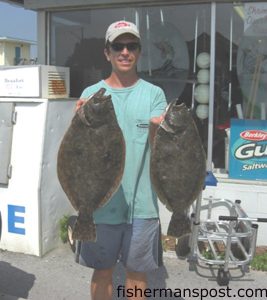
[(127, 226)]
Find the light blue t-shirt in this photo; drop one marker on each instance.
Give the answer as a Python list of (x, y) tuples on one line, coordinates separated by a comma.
[(134, 107)]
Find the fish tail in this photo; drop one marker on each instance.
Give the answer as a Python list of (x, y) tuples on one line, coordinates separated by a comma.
[(84, 229), (179, 225)]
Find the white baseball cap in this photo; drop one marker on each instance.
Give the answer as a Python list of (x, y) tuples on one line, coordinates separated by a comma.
[(121, 27)]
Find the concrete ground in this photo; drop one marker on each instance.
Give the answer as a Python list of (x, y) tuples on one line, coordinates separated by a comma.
[(56, 276)]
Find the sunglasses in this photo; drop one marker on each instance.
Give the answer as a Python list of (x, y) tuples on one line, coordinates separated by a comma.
[(120, 46)]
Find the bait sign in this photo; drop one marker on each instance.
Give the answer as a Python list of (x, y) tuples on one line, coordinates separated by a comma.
[(248, 149)]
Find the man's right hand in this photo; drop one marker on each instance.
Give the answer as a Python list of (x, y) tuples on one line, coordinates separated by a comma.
[(79, 103)]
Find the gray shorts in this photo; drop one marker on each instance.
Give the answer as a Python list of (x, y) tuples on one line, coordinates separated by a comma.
[(137, 246)]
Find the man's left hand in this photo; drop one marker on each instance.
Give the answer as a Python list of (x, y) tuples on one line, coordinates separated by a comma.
[(157, 120)]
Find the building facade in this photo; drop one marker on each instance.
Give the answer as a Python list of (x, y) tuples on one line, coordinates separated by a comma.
[(211, 54), (14, 51)]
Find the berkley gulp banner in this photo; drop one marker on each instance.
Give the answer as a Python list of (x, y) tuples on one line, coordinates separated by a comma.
[(248, 149)]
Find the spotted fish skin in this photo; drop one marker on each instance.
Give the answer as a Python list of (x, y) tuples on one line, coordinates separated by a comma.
[(178, 165), (90, 161)]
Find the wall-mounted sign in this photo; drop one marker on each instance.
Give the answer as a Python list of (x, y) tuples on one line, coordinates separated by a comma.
[(19, 82), (248, 149), (253, 12), (35, 81)]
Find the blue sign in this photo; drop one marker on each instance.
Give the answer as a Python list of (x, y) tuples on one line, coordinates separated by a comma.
[(248, 149), (13, 219)]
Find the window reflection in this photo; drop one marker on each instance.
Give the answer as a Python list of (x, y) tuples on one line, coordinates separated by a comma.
[(252, 68), (240, 71), (173, 36), (175, 56)]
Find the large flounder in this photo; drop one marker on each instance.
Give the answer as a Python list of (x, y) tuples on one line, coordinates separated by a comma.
[(178, 165), (90, 161)]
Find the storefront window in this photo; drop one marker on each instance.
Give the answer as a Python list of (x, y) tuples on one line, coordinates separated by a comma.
[(168, 44), (175, 46), (240, 70), (176, 53)]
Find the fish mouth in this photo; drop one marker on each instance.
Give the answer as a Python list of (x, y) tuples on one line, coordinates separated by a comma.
[(178, 104), (93, 104), (98, 96), (100, 93), (163, 124), (171, 111), (95, 99)]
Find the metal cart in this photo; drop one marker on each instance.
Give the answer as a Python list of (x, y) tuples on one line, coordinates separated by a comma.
[(228, 241)]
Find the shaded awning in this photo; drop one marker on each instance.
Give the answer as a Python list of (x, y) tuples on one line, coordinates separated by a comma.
[(16, 2)]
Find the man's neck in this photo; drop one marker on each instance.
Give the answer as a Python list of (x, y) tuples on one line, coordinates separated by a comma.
[(121, 80)]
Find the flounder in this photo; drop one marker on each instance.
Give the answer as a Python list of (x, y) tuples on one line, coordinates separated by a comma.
[(90, 161), (178, 165)]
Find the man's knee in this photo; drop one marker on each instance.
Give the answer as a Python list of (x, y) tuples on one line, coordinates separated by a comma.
[(136, 276), (104, 275)]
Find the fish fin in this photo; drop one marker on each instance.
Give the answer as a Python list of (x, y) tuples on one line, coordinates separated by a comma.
[(84, 229), (182, 247), (179, 225)]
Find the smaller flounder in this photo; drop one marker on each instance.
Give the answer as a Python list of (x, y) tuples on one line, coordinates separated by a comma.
[(178, 165)]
